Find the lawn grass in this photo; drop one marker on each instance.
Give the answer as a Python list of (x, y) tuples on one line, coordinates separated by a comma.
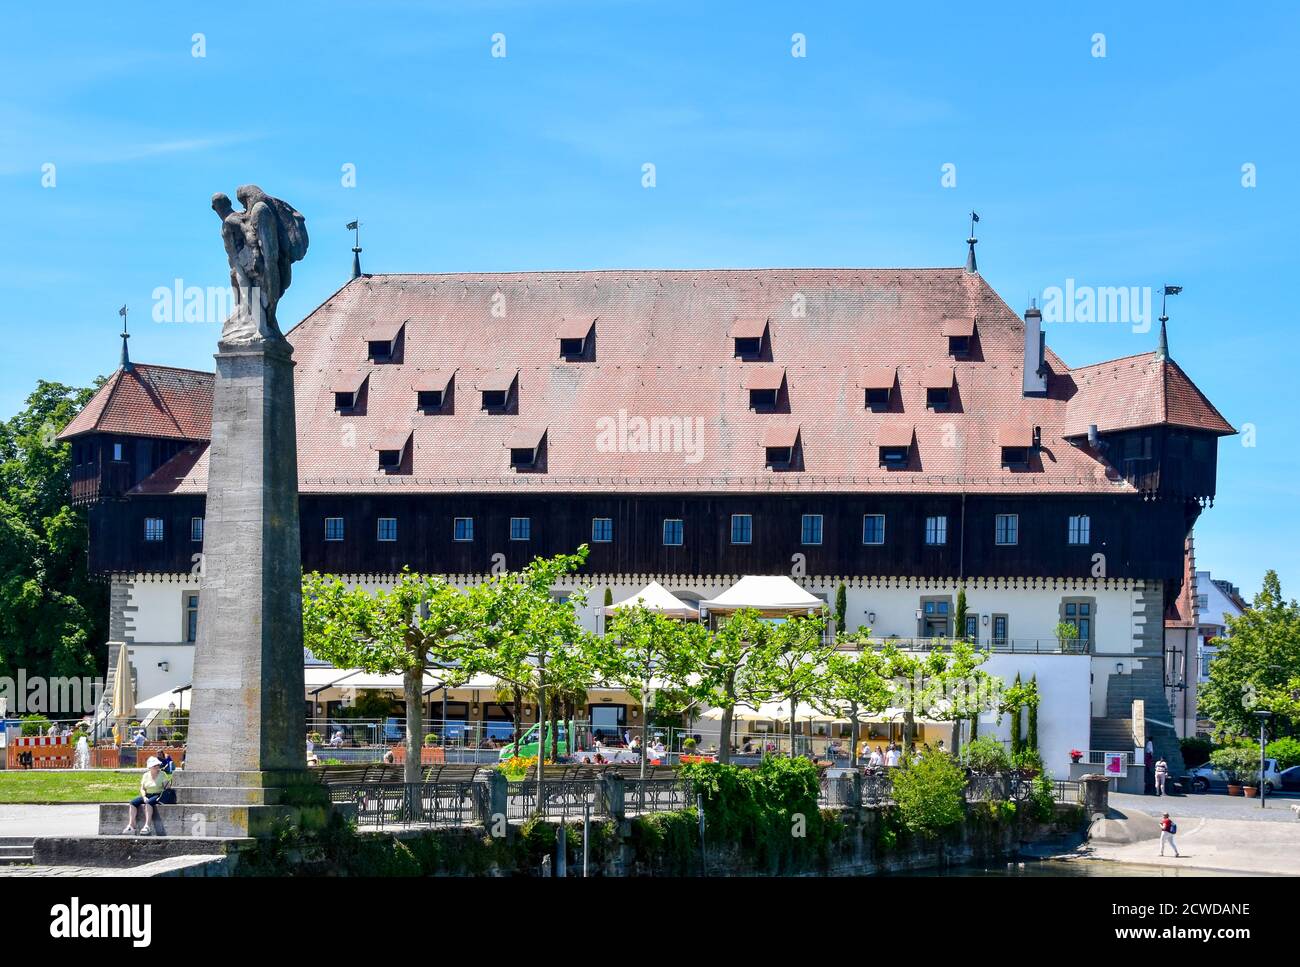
[(68, 785)]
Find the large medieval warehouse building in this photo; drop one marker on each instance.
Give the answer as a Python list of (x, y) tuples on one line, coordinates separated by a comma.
[(899, 431)]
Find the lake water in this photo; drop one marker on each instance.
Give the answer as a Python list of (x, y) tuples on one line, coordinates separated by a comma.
[(1073, 868)]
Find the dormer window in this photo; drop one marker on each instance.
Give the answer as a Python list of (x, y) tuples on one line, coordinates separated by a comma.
[(1016, 441), (781, 447), (433, 389), (748, 335), (496, 388), (526, 446), (574, 334), (895, 445), (877, 382), (383, 342), (959, 333), (347, 391), (392, 449), (938, 389), (764, 384)]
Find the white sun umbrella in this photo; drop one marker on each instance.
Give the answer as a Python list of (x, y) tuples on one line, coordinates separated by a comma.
[(655, 597)]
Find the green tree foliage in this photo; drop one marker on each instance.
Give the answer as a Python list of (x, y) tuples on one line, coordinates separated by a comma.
[(987, 757), (53, 618), (1031, 739), (841, 610), (930, 794), (418, 624), (1285, 751), (857, 685), (1257, 667), (789, 665), (719, 660)]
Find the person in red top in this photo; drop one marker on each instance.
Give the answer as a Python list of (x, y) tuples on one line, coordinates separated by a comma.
[(1167, 829)]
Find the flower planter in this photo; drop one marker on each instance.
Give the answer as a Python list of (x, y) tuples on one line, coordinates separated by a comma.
[(684, 759), (1234, 790), (1251, 792)]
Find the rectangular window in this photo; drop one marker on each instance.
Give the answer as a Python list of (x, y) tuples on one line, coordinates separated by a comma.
[(462, 529), (973, 628), (153, 529), (521, 528), (386, 529), (333, 528), (812, 529), (1079, 614), (746, 346), (117, 452), (877, 400), (494, 399), (428, 399), (762, 399), (742, 528), (999, 630), (191, 616), (344, 401), (935, 621), (602, 530), (196, 530), (873, 529), (1080, 529), (1006, 529), (936, 530), (937, 400), (672, 533)]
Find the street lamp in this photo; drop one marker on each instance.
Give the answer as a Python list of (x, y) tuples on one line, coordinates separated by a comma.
[(1263, 717)]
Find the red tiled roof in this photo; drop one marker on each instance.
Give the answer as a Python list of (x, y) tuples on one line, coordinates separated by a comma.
[(385, 330), (433, 380), (348, 382), (763, 377), (392, 439), (963, 326), (895, 435), (1015, 435), (525, 437), (877, 377), (152, 401), (938, 377), (496, 380), (751, 327), (781, 435), (1138, 391), (665, 358), (575, 327)]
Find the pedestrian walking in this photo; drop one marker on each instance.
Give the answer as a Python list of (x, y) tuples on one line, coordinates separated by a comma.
[(1162, 773), (1167, 829)]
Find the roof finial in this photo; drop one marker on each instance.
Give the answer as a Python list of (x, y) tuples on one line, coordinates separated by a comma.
[(1162, 348), (355, 226), (126, 357), (970, 258)]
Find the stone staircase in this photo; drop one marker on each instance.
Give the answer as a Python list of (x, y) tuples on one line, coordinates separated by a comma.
[(15, 850), (1112, 735)]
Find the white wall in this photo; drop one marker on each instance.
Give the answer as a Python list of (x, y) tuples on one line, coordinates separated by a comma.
[(152, 680), (1064, 722)]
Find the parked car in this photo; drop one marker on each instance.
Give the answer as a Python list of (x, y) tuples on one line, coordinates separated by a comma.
[(1290, 779), (1207, 777)]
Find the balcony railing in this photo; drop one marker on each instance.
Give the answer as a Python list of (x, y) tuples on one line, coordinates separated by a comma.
[(1019, 646)]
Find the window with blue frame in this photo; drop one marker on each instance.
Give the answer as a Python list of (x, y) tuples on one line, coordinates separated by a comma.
[(673, 532), (521, 528), (1080, 529), (333, 528), (602, 530), (873, 529), (1006, 529), (387, 529), (811, 529), (742, 528), (936, 530), (462, 529)]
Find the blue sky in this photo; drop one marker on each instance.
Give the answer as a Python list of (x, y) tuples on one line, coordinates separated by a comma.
[(1122, 170)]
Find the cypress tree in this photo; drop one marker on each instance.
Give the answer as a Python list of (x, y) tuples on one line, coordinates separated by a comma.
[(1033, 716), (841, 609), (1016, 744)]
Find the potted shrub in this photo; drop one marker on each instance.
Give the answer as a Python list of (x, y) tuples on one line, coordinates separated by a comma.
[(1027, 762), (1238, 764), (431, 738), (1075, 756)]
